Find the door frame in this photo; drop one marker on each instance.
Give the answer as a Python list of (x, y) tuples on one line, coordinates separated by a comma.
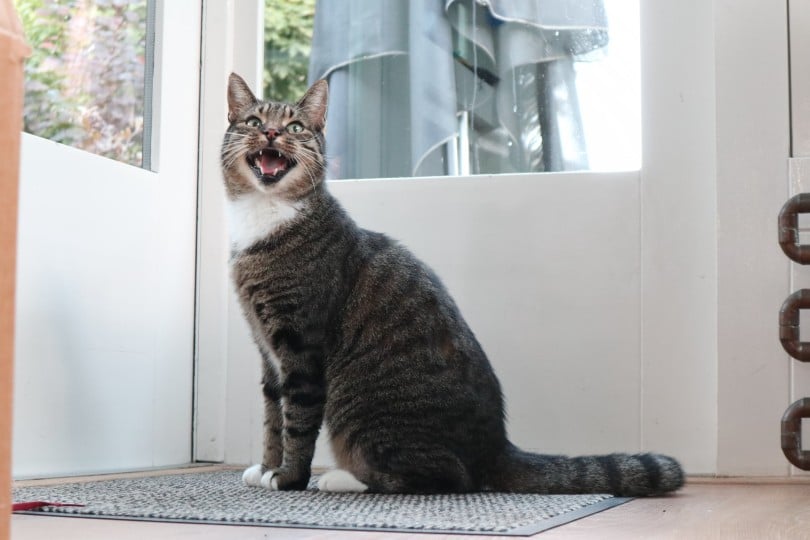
[(231, 30)]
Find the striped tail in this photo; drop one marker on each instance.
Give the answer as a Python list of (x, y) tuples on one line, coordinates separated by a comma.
[(619, 474)]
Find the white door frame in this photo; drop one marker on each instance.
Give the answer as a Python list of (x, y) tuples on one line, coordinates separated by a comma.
[(231, 30), (799, 171), (752, 114)]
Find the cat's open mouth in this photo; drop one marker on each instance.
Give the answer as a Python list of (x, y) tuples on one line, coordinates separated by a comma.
[(269, 165)]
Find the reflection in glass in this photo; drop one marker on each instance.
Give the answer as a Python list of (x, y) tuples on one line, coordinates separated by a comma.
[(457, 87), (85, 81)]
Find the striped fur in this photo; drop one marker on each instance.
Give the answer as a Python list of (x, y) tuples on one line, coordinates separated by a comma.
[(354, 330)]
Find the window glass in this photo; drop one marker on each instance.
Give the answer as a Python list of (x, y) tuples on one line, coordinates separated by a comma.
[(85, 80), (458, 87)]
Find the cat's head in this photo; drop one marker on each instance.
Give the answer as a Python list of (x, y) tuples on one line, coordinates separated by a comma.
[(271, 147)]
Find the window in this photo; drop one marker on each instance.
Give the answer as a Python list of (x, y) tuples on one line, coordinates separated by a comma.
[(86, 78), (429, 88)]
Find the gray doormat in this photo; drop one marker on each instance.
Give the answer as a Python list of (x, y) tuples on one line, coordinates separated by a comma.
[(220, 497)]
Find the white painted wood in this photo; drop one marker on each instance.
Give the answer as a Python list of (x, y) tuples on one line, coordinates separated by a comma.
[(753, 130), (105, 311), (231, 43), (799, 171), (799, 12), (678, 246), (799, 166), (212, 251)]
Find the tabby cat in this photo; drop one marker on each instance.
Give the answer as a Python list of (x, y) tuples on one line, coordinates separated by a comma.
[(354, 330)]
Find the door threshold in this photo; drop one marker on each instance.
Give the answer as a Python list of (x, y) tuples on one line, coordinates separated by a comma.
[(130, 473)]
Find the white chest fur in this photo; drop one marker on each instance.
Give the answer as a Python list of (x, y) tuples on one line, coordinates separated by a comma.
[(255, 216)]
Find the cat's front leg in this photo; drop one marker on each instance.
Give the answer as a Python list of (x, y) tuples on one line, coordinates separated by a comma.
[(299, 358), (303, 393), (273, 424)]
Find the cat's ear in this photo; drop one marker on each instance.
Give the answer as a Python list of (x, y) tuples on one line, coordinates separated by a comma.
[(239, 96), (314, 104)]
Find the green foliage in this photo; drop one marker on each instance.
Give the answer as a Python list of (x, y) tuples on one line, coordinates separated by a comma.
[(85, 78), (288, 28), (46, 109)]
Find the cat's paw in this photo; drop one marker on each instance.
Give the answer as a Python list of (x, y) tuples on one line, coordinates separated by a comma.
[(340, 481), (253, 475), (267, 481), (282, 479)]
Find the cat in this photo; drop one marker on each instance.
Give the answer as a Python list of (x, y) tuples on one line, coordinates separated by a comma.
[(355, 331)]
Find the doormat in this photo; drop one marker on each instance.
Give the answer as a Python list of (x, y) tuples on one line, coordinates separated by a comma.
[(220, 498)]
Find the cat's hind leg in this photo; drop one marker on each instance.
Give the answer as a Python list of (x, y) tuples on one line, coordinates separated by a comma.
[(395, 467), (419, 470), (340, 481)]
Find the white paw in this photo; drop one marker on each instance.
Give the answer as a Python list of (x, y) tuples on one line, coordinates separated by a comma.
[(268, 482), (340, 481), (253, 475)]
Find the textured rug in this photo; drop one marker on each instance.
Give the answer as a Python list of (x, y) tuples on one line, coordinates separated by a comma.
[(220, 497)]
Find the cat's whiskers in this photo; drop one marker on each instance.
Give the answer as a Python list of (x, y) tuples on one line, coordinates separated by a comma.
[(319, 155), (309, 160), (233, 149), (315, 156), (305, 165)]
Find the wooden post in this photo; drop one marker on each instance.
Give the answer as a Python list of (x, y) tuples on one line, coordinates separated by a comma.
[(12, 52)]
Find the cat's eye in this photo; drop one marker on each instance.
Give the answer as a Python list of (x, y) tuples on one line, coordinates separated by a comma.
[(253, 122), (295, 127)]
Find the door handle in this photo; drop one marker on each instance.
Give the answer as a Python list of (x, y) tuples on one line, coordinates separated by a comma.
[(792, 434), (789, 228), (789, 317)]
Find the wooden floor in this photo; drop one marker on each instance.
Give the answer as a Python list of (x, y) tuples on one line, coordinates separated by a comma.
[(705, 508)]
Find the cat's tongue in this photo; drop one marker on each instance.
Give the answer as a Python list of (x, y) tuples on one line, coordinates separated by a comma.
[(272, 163)]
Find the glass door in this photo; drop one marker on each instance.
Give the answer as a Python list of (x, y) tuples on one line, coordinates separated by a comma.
[(106, 266)]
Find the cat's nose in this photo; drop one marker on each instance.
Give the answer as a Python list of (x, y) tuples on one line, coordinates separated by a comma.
[(270, 133)]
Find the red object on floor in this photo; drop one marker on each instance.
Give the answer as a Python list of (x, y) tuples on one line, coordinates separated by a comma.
[(33, 505)]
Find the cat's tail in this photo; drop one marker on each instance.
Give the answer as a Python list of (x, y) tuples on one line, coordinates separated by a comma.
[(619, 474)]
